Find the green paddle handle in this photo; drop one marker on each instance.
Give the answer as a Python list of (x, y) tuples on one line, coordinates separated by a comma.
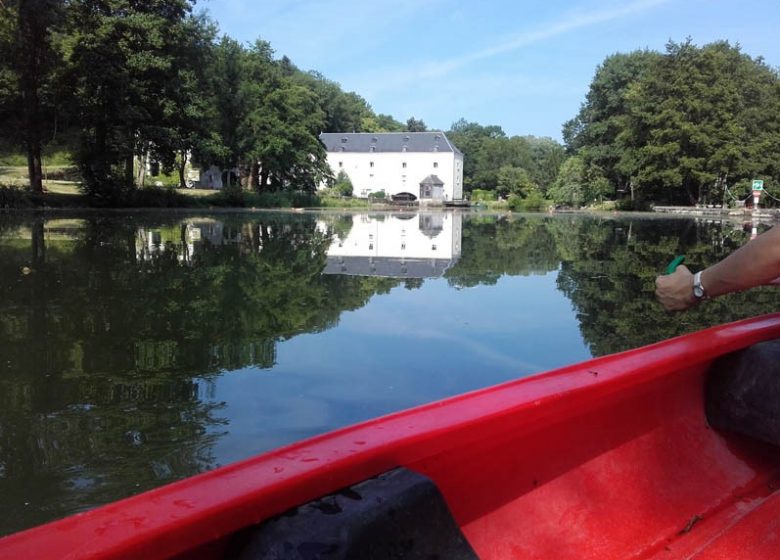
[(678, 260)]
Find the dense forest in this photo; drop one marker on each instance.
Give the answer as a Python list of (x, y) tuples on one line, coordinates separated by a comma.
[(115, 82)]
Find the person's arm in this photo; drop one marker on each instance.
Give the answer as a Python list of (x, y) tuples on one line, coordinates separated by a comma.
[(754, 264)]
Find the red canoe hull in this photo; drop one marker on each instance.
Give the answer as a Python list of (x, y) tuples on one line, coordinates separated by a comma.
[(611, 458)]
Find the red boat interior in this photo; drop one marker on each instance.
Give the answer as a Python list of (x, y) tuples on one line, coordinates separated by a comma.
[(614, 458)]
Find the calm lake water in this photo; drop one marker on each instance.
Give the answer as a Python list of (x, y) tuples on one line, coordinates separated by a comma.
[(139, 349)]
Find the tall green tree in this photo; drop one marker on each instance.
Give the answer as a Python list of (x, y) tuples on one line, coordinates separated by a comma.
[(344, 111), (547, 156), (123, 55), (595, 133), (270, 121), (188, 121), (415, 125), (689, 116), (29, 60), (679, 127), (226, 73)]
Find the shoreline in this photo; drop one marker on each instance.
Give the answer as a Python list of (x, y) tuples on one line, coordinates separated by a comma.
[(761, 216)]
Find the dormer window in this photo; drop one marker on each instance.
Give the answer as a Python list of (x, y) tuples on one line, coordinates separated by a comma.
[(372, 148), (406, 138), (344, 140), (403, 149)]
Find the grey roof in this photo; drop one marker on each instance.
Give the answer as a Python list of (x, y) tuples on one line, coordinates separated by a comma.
[(387, 142), (432, 180), (388, 267)]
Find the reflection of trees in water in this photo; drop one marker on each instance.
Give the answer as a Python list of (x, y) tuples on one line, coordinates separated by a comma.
[(493, 247), (78, 442), (609, 268), (107, 352)]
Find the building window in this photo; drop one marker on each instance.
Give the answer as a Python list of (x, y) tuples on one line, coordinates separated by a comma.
[(373, 148), (403, 165), (341, 164), (371, 164), (436, 164)]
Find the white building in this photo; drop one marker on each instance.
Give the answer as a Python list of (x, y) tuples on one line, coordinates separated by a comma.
[(424, 164)]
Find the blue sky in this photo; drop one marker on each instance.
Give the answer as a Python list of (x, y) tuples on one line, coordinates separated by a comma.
[(524, 65)]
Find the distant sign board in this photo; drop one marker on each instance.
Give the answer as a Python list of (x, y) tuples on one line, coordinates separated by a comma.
[(758, 185)]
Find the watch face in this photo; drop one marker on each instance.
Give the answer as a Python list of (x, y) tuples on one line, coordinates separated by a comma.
[(698, 291)]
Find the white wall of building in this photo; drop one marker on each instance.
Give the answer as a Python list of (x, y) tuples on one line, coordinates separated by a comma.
[(397, 172), (457, 177)]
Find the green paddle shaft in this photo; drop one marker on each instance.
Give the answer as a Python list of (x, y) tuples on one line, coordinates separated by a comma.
[(678, 260)]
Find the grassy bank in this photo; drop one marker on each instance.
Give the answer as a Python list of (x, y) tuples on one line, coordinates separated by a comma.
[(61, 190), (66, 194)]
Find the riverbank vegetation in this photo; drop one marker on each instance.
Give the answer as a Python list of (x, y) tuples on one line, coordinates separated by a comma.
[(690, 126), (694, 125), (93, 94)]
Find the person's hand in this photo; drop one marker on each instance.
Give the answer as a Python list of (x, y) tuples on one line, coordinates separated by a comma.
[(675, 291)]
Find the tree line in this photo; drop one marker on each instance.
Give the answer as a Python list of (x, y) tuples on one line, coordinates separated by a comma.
[(692, 125), (508, 167), (122, 80)]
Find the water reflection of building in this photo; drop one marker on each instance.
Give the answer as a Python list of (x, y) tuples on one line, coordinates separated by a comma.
[(182, 238), (397, 245)]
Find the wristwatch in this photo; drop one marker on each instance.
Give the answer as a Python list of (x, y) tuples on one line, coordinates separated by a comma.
[(698, 289)]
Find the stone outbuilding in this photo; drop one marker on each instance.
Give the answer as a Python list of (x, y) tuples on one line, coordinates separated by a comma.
[(432, 188)]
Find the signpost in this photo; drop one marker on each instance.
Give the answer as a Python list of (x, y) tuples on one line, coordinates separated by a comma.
[(758, 188)]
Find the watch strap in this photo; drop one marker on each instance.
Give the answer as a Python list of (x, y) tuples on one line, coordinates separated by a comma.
[(698, 289)]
